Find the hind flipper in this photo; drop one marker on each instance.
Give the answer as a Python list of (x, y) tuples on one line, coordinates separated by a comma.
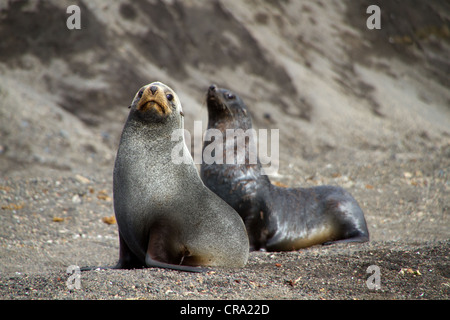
[(356, 239)]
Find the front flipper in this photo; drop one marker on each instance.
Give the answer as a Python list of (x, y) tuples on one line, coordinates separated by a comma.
[(157, 264), (166, 250), (127, 259)]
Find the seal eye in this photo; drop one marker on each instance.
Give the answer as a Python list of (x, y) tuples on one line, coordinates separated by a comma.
[(140, 94), (230, 96), (169, 97)]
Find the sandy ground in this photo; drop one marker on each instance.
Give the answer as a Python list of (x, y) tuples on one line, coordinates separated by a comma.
[(366, 110)]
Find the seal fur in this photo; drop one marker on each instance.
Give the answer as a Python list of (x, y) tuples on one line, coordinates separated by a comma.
[(276, 218), (166, 216)]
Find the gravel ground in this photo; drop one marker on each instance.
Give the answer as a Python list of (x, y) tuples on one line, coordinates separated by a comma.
[(49, 224)]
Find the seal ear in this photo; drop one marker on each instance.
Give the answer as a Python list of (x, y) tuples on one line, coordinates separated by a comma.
[(182, 114)]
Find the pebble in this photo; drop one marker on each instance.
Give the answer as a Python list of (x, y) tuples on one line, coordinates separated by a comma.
[(76, 199)]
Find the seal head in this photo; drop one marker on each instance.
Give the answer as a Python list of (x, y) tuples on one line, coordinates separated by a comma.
[(156, 102), (227, 108)]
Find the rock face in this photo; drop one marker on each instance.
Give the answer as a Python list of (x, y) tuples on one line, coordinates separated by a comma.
[(315, 71)]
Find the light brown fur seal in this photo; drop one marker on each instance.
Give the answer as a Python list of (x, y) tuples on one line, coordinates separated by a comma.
[(166, 216)]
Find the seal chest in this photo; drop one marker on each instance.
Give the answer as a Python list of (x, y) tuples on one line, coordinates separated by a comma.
[(165, 214)]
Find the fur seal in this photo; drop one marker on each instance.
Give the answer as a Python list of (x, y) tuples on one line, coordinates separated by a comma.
[(276, 218), (165, 214)]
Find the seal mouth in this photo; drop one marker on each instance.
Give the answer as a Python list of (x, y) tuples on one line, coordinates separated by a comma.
[(154, 99), (152, 104)]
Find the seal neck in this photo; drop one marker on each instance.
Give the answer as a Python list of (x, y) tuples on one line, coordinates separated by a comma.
[(152, 129), (148, 149), (225, 122)]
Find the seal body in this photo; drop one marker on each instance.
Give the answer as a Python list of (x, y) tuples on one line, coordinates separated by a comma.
[(165, 214), (276, 218)]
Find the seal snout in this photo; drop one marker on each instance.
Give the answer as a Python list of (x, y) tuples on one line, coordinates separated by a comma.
[(216, 101), (212, 92), (212, 88), (153, 89), (154, 99)]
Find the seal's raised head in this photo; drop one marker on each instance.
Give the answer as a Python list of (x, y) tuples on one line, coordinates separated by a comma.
[(156, 102), (225, 105)]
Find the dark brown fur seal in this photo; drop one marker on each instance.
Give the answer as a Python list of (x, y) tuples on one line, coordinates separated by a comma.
[(276, 218), (166, 216)]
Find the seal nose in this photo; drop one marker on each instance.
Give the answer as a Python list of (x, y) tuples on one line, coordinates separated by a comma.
[(153, 89), (212, 88)]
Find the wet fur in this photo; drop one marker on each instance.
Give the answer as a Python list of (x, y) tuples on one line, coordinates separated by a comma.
[(276, 218)]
